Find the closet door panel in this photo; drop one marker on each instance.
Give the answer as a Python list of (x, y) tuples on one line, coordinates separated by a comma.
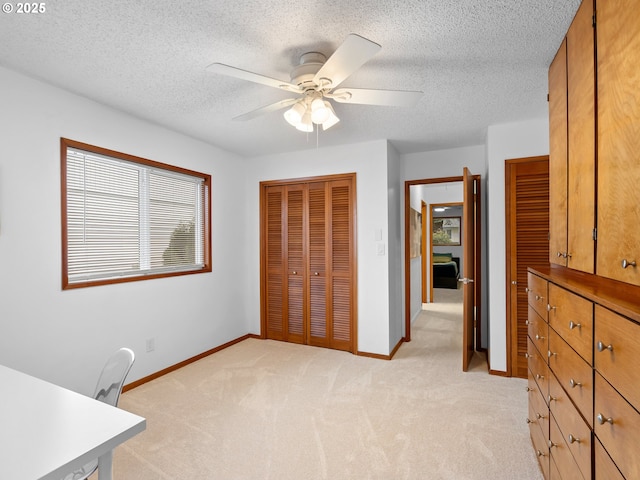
[(295, 263), (318, 241), (341, 298), (275, 272)]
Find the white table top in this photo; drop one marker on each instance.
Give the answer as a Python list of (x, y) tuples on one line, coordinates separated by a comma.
[(47, 431)]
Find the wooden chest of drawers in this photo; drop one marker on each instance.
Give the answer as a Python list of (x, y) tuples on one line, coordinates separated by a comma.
[(586, 401)]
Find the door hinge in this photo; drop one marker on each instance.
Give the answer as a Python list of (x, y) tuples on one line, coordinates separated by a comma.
[(547, 97), (595, 234)]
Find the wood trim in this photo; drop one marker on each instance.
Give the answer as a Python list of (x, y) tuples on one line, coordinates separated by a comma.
[(434, 206), (423, 250), (498, 373), (184, 363), (382, 357), (66, 143)]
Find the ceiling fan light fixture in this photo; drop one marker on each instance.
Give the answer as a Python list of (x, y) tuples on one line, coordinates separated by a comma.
[(305, 125), (294, 115), (319, 111), (332, 119)]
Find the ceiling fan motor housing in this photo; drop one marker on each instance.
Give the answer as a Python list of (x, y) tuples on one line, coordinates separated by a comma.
[(303, 74)]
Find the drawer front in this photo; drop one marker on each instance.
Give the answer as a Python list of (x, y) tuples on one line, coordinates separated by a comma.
[(574, 430), (616, 352), (554, 473), (541, 448), (572, 317), (538, 331), (573, 374), (538, 368), (605, 468), (617, 426), (538, 411), (537, 294), (561, 455)]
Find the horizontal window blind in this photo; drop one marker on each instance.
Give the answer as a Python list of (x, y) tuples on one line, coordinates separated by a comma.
[(127, 219)]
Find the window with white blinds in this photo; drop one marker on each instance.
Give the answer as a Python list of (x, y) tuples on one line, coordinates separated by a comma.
[(126, 218)]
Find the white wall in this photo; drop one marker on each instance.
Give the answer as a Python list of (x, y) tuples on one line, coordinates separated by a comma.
[(396, 227), (504, 142), (65, 336), (369, 162)]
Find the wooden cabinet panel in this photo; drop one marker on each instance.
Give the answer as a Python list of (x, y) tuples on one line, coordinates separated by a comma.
[(558, 157), (538, 331), (571, 316), (576, 433), (573, 374), (537, 294), (541, 448), (561, 454), (604, 466), (617, 350), (581, 184), (618, 25), (538, 411), (617, 426), (538, 368)]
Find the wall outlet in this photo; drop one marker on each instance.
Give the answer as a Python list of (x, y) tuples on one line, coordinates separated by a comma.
[(151, 344)]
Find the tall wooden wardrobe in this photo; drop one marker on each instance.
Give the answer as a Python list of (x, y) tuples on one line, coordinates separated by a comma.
[(308, 267)]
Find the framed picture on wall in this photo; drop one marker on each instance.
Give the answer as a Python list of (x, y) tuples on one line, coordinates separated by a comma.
[(446, 231), (415, 242)]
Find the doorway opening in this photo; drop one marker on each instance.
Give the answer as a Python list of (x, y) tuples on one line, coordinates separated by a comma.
[(465, 231)]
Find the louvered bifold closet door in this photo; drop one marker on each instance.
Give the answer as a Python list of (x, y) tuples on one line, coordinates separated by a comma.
[(318, 243), (275, 272), (295, 263), (341, 289)]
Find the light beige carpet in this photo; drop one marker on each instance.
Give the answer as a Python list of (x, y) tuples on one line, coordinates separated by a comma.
[(272, 410)]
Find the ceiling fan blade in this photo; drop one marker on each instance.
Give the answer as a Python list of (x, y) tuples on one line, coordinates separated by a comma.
[(223, 69), (267, 109), (391, 98), (354, 52)]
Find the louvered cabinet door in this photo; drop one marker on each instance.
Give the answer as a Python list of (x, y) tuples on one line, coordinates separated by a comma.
[(341, 295), (295, 263), (618, 251), (558, 157), (318, 241), (273, 253)]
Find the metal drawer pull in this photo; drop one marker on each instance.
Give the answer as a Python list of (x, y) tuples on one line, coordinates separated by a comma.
[(574, 384), (573, 439), (552, 399), (526, 355), (602, 347), (540, 454), (601, 419), (539, 337), (549, 308), (527, 322), (626, 263), (528, 389), (551, 354), (538, 297), (551, 444), (574, 325), (539, 377), (538, 416), (527, 289)]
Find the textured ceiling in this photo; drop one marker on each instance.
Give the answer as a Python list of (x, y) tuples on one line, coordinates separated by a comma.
[(478, 62)]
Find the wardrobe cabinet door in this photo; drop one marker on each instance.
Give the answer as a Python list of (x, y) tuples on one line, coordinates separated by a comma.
[(618, 26), (581, 183), (295, 263), (558, 157), (318, 240), (273, 253)]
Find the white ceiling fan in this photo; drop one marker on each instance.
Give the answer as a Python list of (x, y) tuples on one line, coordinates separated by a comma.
[(315, 80)]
